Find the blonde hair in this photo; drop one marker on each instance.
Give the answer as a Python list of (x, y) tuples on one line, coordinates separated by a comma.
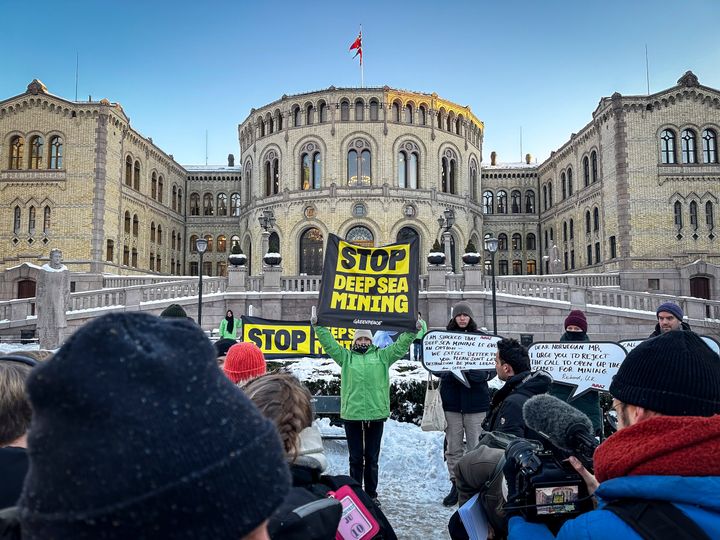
[(285, 401), (15, 411), (40, 355)]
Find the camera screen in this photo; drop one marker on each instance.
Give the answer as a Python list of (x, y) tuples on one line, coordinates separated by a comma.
[(557, 499)]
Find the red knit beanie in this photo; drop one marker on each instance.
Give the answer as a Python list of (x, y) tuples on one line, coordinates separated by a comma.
[(576, 318), (244, 361)]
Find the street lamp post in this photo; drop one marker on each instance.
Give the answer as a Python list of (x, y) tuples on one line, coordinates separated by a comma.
[(267, 223), (446, 222), (201, 245), (491, 244)]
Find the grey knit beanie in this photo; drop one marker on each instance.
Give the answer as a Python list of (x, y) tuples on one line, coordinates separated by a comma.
[(462, 308), (137, 434)]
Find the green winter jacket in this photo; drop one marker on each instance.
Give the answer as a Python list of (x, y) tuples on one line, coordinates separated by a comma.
[(364, 378), (224, 334)]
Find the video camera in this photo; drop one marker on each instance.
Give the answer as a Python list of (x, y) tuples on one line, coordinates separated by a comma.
[(546, 488)]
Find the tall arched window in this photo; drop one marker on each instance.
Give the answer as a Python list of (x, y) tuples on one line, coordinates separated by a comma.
[(36, 152), (688, 146), (502, 242), (311, 252), (153, 185), (596, 219), (17, 151), (709, 146), (488, 202), (693, 214), (272, 173), (409, 113), (323, 108), (530, 242), (374, 109), (47, 212), (594, 166), (587, 222), (408, 166), (709, 218), (261, 126), (570, 181), (56, 153), (396, 112), (161, 188), (448, 172), (502, 202), (222, 200), (297, 121), (235, 204), (17, 217), (221, 244), (515, 201), (180, 201), (563, 181), (545, 197), (517, 241), (344, 111), (678, 214), (31, 220), (128, 171), (209, 240), (473, 180), (667, 146), (136, 175), (152, 231), (572, 228), (550, 195), (309, 114), (565, 231), (208, 209), (194, 204), (127, 222), (310, 167), (359, 110), (136, 226), (173, 240), (422, 115), (247, 179), (359, 164), (109, 250), (586, 171), (529, 201), (174, 197)]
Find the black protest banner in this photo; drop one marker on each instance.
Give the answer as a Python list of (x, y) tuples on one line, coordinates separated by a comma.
[(281, 339), (374, 288)]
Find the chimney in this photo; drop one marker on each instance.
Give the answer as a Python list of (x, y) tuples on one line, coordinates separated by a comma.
[(231, 160), (493, 158), (528, 158)]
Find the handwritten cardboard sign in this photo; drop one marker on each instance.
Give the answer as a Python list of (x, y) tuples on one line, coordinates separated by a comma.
[(587, 366), (459, 351), (630, 344)]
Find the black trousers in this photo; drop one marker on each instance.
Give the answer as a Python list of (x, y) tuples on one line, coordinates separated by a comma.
[(363, 440)]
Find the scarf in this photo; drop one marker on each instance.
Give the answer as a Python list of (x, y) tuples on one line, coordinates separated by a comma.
[(230, 323)]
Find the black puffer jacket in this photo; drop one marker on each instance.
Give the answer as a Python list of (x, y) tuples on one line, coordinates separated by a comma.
[(458, 398), (506, 412)]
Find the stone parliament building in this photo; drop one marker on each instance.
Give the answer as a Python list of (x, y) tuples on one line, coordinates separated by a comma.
[(635, 191)]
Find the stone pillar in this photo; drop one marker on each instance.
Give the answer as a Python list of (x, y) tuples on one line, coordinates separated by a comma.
[(133, 297), (237, 276), (52, 302), (446, 245), (578, 298), (473, 278), (271, 278), (695, 308), (436, 278)]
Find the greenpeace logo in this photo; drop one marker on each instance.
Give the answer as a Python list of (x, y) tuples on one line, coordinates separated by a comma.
[(367, 321)]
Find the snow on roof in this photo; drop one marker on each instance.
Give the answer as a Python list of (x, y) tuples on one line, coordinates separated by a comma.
[(211, 168), (511, 165)]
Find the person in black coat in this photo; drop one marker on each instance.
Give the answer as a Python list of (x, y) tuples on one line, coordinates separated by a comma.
[(465, 407)]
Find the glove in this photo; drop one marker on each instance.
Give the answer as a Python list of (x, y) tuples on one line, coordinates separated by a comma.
[(313, 320), (419, 324)]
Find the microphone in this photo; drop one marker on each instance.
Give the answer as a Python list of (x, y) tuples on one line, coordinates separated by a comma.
[(562, 424)]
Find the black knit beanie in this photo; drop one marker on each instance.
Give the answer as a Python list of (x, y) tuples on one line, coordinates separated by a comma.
[(137, 434), (675, 374), (174, 310)]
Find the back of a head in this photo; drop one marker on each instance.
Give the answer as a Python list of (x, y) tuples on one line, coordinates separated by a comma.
[(244, 361), (285, 401), (174, 311), (137, 434), (675, 374), (15, 411), (513, 353)]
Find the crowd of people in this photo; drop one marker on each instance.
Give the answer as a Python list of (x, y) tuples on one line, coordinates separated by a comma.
[(141, 427)]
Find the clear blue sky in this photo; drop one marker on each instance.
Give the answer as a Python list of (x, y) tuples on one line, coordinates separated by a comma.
[(182, 67)]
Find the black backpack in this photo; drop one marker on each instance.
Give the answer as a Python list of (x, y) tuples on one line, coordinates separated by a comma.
[(656, 520)]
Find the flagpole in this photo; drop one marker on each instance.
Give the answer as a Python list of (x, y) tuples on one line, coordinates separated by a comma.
[(362, 68)]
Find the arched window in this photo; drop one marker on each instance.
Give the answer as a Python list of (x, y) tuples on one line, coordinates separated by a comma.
[(530, 242), (422, 115), (502, 202), (247, 178), (173, 240), (194, 204), (135, 226), (473, 180), (297, 116), (570, 181), (586, 171), (31, 220), (405, 235), (594, 166), (693, 214), (545, 197), (667, 146), (678, 214), (36, 152), (235, 204), (517, 267), (396, 112), (279, 120), (515, 201), (174, 197), (152, 231), (17, 216), (193, 243), (17, 151), (688, 146), (127, 222), (134, 258), (344, 111), (516, 241), (572, 229), (56, 152), (323, 112), (359, 164), (136, 175), (408, 166), (161, 188), (550, 195), (361, 236), (448, 172), (709, 219), (180, 201), (529, 201), (209, 240), (310, 167), (274, 243), (261, 125), (565, 231), (587, 222), (309, 114), (531, 267), (374, 108), (47, 211), (409, 113), (208, 209), (709, 146), (488, 202), (221, 244), (153, 186), (311, 252), (563, 181), (109, 250), (222, 201), (159, 235), (359, 110), (596, 219), (502, 242)]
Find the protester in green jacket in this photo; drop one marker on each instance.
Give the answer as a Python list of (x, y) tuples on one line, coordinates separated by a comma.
[(229, 326), (364, 396)]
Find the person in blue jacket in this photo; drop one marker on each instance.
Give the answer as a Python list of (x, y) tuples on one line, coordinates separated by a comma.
[(667, 398)]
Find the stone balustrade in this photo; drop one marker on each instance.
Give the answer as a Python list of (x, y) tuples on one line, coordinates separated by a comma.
[(111, 282)]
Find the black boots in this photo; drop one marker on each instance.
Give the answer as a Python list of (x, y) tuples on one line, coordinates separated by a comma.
[(452, 498)]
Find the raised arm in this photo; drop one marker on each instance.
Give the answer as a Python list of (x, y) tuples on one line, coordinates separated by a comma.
[(331, 347)]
